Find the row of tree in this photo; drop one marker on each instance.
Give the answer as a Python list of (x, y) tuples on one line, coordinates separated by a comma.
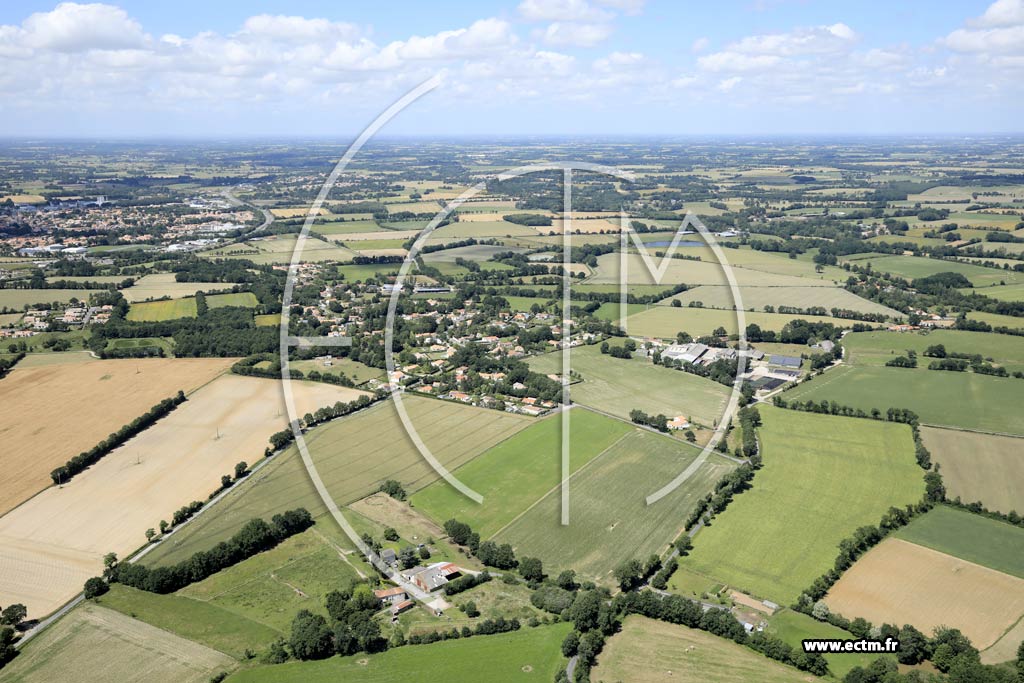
[(64, 473)]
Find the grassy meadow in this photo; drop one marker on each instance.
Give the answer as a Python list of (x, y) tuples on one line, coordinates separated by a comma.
[(989, 542)]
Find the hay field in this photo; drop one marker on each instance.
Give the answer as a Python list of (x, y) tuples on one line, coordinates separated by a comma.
[(914, 266), (697, 273), (54, 412), (484, 229), (875, 348), (475, 252), (518, 472), (610, 521), (279, 248), (979, 467), (530, 654), (53, 542), (904, 583), (651, 651), (810, 494), (353, 456), (159, 285), (756, 298), (665, 321), (295, 212), (983, 402), (400, 235), (19, 298), (617, 386), (94, 643), (168, 309)]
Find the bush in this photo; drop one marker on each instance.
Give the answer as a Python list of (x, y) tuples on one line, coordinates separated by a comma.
[(95, 587)]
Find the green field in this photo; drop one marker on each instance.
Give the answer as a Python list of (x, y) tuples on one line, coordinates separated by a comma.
[(981, 402), (354, 370), (197, 621), (19, 298), (710, 272), (756, 298), (617, 386), (92, 643), (792, 627), (997, 320), (531, 654), (271, 587), (353, 273), (345, 227), (875, 348), (159, 285), (911, 267), (1003, 292), (610, 521), (988, 542), (353, 456), (168, 309), (648, 651), (664, 322), (279, 249), (519, 471), (979, 467), (465, 229), (776, 538), (268, 319), (243, 299)]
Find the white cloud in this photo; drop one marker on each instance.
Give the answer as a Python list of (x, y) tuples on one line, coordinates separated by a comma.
[(562, 10), (626, 6), (738, 61), (72, 27), (1002, 13), (578, 35), (700, 45), (799, 41), (729, 83), (297, 29)]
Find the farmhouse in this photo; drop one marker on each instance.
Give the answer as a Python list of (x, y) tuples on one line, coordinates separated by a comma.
[(391, 596), (679, 422), (685, 353), (433, 577)]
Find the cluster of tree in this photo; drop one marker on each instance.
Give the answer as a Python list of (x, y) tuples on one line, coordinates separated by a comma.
[(149, 351), (7, 363), (625, 351), (488, 552), (354, 629), (7, 649), (950, 364), (65, 472), (13, 614), (907, 361), (487, 627), (659, 422), (182, 515), (531, 219), (464, 583), (256, 536), (660, 579), (632, 574), (722, 370), (393, 488)]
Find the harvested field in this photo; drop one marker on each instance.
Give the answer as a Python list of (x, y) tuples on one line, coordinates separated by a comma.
[(979, 467), (904, 583), (665, 321), (649, 651), (94, 643), (53, 542), (19, 298), (54, 412)]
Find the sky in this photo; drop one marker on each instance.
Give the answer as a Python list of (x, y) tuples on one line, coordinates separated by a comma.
[(305, 68)]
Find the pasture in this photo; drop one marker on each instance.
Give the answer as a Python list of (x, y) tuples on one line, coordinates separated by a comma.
[(989, 542), (983, 402), (1003, 292), (756, 298), (168, 309), (875, 348), (810, 494), (158, 285), (93, 643), (354, 370), (200, 622), (271, 587), (911, 267), (904, 583), (18, 299), (41, 432), (484, 229), (50, 544), (530, 654), (695, 273), (345, 227), (617, 386), (792, 627), (665, 321), (517, 472), (279, 249), (650, 651), (979, 467), (353, 455), (610, 521)]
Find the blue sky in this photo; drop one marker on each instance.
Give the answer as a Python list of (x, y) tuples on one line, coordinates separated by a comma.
[(525, 67)]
